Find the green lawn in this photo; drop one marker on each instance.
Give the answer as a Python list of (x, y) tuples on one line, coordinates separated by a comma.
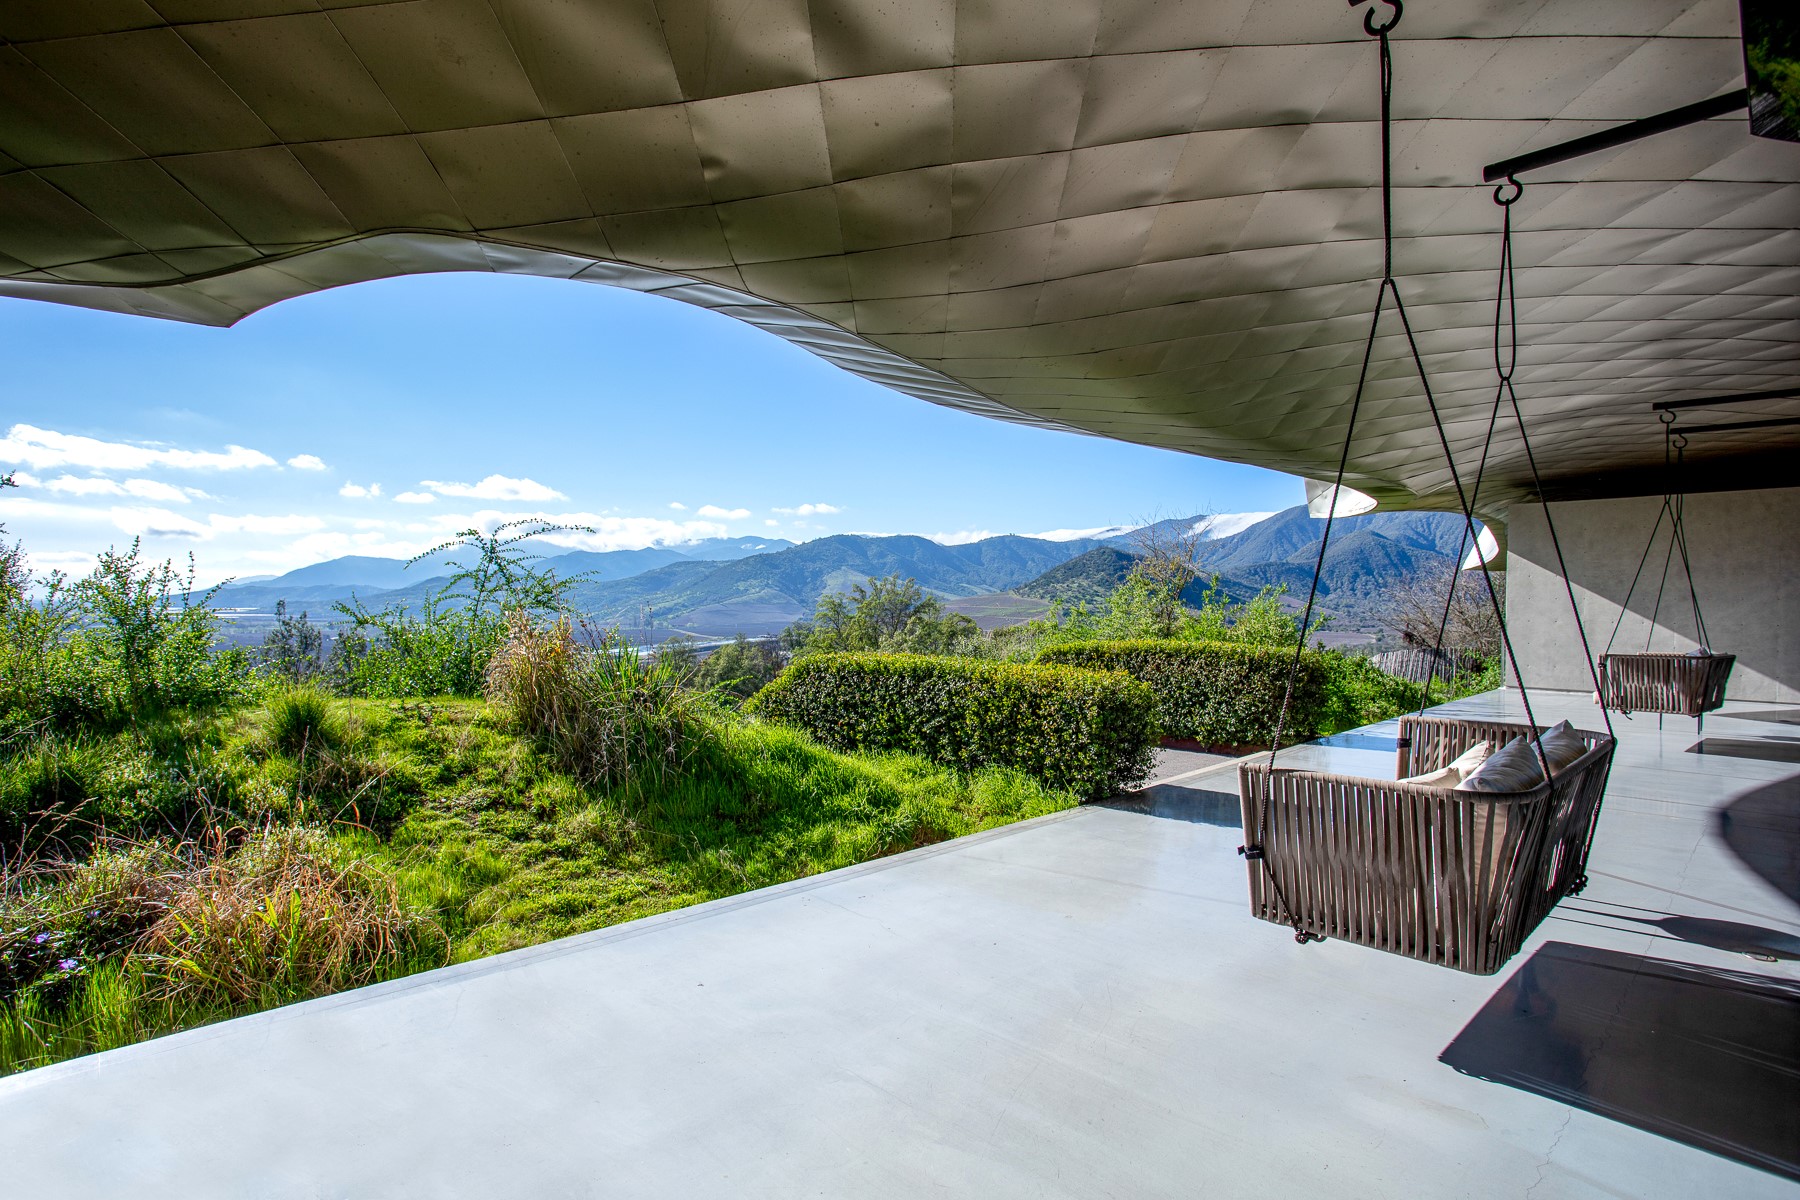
[(436, 834)]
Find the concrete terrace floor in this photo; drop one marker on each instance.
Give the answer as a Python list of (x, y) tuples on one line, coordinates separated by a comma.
[(1076, 1006)]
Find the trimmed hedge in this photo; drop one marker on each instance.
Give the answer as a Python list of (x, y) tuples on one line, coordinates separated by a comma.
[(1219, 693), (1090, 732)]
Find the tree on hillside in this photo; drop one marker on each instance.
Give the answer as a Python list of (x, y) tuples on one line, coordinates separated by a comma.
[(741, 667), (883, 614), (1168, 560), (294, 648), (1415, 609)]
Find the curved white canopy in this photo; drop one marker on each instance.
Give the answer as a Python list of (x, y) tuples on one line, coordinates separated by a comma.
[(1147, 220)]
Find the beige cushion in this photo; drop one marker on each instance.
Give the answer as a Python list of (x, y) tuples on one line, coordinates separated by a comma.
[(1456, 772), (1512, 768), (1445, 777), (1466, 762)]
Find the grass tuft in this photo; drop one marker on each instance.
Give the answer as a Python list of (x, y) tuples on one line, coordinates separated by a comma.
[(303, 721)]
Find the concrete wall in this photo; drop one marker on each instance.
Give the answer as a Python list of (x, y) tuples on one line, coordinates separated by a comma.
[(1746, 568)]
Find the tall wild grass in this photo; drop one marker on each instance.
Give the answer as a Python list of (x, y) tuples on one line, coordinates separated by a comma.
[(602, 712), (147, 937)]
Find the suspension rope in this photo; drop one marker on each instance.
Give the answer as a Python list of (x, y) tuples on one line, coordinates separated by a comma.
[(1643, 559), (1680, 534), (1509, 293), (1253, 849), (1456, 567), (1468, 512), (1673, 507)]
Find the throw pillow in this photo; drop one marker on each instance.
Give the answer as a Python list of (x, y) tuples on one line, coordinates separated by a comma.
[(1512, 768), (1562, 745)]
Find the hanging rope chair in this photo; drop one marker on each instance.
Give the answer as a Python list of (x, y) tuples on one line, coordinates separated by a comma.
[(1418, 865), (1687, 685)]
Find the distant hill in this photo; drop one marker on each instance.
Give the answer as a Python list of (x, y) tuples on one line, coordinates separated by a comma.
[(1367, 558), (384, 580), (1292, 535), (1086, 579), (769, 591), (1092, 577), (757, 585)]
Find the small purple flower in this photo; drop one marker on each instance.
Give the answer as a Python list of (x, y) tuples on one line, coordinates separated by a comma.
[(67, 964), (40, 939)]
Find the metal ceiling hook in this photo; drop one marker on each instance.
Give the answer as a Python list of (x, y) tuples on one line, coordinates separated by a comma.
[(1369, 25)]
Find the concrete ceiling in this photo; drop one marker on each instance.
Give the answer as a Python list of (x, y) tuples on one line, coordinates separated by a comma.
[(1144, 219)]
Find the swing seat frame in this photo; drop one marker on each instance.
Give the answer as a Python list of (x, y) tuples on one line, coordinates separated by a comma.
[(1458, 879), (1684, 685)]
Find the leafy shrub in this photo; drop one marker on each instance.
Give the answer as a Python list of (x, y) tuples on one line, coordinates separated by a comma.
[(1357, 693), (603, 712), (127, 642), (29, 632), (1089, 732), (1144, 608), (1213, 692), (443, 647), (740, 668), (293, 650)]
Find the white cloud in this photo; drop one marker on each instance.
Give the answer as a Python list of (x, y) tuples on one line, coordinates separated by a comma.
[(307, 462), (678, 506), (415, 498), (99, 485), (1226, 524), (723, 514), (250, 523), (43, 448), (316, 547), (158, 522), (811, 510), (154, 521), (961, 537), (357, 491), (1070, 535), (772, 523), (610, 532), (74, 562), (495, 487)]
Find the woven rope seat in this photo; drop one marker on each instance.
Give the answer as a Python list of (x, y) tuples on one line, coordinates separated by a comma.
[(1686, 685), (1455, 878)]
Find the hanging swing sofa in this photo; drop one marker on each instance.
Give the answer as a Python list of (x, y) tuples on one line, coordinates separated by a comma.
[(1686, 685), (1487, 824), (1452, 877)]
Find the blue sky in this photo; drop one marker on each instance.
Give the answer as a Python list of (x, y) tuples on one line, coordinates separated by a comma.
[(377, 419)]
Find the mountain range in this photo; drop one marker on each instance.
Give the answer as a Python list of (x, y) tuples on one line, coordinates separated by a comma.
[(757, 586)]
